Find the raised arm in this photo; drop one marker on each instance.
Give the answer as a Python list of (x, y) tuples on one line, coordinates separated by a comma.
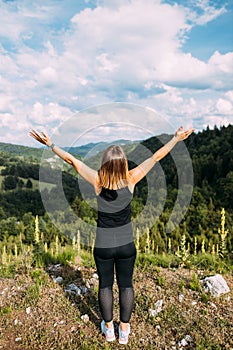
[(141, 170), (85, 171)]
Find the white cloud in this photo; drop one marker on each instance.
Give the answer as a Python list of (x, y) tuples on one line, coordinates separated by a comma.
[(204, 11), (52, 112), (229, 95), (6, 102), (7, 67), (224, 106), (223, 63), (7, 19), (139, 43), (47, 76), (118, 51)]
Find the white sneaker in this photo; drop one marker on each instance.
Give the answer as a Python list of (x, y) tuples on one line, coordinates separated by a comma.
[(109, 332), (123, 336)]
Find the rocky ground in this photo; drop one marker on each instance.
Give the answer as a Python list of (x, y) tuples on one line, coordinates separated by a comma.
[(171, 311)]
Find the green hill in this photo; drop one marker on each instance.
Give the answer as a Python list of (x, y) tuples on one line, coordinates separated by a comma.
[(211, 152)]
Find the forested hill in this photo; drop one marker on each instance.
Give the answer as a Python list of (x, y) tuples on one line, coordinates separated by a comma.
[(26, 152), (211, 152), (20, 151)]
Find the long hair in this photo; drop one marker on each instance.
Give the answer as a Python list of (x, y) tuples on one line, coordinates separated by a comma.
[(113, 173)]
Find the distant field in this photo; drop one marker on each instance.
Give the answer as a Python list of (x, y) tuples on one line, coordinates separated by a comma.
[(42, 185), (1, 178), (35, 183)]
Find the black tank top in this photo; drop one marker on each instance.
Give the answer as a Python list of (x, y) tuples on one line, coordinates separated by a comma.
[(114, 226)]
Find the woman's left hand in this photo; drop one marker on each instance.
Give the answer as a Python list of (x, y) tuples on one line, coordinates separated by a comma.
[(183, 134), (42, 138)]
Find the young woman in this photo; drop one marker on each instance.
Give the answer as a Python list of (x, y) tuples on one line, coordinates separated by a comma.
[(114, 246)]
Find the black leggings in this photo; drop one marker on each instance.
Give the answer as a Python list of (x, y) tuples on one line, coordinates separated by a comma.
[(122, 258)]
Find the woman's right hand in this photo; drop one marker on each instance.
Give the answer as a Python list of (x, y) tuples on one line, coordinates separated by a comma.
[(183, 134), (42, 138)]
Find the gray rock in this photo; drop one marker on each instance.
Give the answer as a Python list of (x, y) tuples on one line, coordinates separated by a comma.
[(18, 339), (181, 297), (92, 281), (95, 275), (85, 318), (157, 309), (215, 285), (83, 289), (185, 341), (54, 268), (72, 289), (58, 279)]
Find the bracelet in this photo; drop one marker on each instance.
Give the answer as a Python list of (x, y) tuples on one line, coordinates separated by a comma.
[(51, 146)]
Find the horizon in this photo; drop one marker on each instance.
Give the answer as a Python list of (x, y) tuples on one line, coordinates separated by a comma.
[(40, 146)]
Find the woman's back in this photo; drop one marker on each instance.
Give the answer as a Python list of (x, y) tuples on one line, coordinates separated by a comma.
[(114, 226)]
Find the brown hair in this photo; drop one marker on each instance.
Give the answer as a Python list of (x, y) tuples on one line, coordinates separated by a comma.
[(113, 171)]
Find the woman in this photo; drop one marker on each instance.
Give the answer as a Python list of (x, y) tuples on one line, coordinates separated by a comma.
[(114, 246)]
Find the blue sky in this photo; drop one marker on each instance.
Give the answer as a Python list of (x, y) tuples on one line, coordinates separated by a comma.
[(61, 58)]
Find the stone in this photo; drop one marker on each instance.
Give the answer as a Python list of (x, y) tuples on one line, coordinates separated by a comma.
[(215, 285), (158, 305), (92, 282), (54, 268), (157, 309), (181, 297), (83, 289), (152, 312), (75, 290), (185, 341), (72, 289), (58, 280), (85, 318), (18, 339)]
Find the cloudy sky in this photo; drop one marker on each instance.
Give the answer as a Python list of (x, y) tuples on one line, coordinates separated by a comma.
[(61, 60)]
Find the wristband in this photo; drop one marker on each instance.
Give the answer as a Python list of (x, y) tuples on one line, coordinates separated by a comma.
[(51, 146)]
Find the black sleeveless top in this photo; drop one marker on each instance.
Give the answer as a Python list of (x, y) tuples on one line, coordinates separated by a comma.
[(114, 226)]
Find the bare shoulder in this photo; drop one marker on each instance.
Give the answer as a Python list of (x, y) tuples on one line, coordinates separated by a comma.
[(131, 183), (132, 177)]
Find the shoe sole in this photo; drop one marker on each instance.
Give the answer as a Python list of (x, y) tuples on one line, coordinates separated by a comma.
[(110, 339)]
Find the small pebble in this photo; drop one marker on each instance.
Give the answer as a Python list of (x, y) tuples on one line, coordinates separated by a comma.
[(85, 318), (58, 279), (181, 297)]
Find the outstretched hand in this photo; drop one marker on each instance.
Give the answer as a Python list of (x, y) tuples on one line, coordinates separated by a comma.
[(42, 138), (183, 134)]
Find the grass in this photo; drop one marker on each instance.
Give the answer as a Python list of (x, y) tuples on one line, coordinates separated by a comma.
[(42, 185), (1, 178), (54, 320)]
